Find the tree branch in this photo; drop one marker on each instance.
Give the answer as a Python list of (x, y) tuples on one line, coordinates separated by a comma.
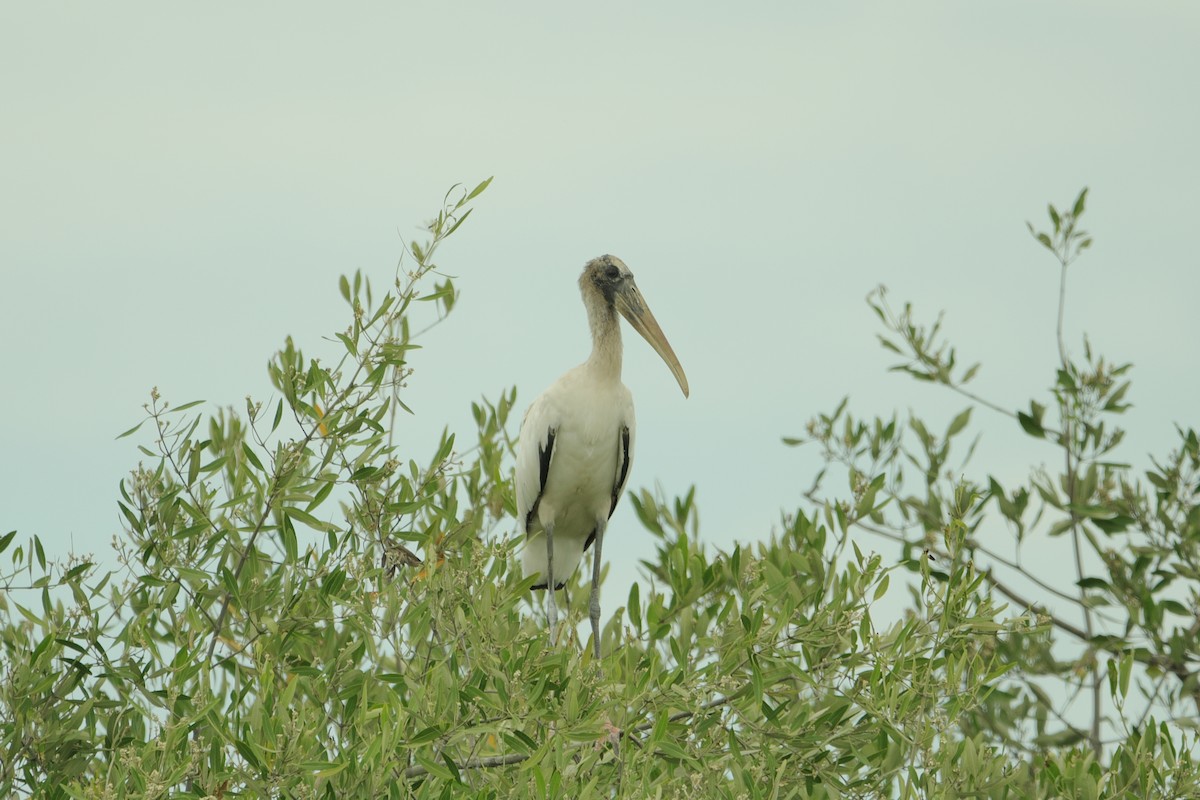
[(488, 762)]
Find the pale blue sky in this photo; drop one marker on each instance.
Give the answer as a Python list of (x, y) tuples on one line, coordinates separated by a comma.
[(181, 187)]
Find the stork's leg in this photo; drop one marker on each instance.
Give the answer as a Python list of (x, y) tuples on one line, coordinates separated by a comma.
[(551, 602), (594, 603)]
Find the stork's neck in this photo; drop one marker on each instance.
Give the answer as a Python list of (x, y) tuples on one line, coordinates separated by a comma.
[(605, 359)]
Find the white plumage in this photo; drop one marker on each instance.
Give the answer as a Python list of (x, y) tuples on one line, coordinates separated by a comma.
[(585, 470), (577, 438)]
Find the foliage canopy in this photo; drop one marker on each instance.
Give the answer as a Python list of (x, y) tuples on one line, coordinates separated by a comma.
[(303, 609)]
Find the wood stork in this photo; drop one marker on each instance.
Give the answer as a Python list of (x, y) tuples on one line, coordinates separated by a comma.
[(576, 443)]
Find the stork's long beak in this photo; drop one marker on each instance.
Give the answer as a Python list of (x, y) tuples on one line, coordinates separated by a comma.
[(632, 305)]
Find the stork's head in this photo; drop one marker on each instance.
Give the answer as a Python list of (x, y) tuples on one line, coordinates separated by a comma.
[(608, 278)]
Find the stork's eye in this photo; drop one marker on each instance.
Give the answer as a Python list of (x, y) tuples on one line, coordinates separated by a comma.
[(612, 272)]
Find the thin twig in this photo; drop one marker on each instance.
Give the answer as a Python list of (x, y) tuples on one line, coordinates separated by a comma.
[(486, 762)]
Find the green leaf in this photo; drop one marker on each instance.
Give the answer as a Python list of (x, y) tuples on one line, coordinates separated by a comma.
[(1060, 527), (132, 430), (444, 451), (351, 347), (363, 473), (308, 519), (633, 609), (76, 570), (427, 735), (287, 538), (478, 190), (246, 750), (1031, 425), (670, 750), (1176, 607), (1114, 400), (959, 423), (529, 744), (1114, 524), (333, 582), (459, 221), (322, 493), (193, 464), (131, 518), (453, 767), (1158, 480), (1126, 670), (323, 769), (214, 465), (1063, 738), (251, 457), (1077, 210)]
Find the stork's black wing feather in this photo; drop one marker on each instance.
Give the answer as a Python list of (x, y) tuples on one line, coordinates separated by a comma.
[(545, 454), (623, 462), (622, 470)]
